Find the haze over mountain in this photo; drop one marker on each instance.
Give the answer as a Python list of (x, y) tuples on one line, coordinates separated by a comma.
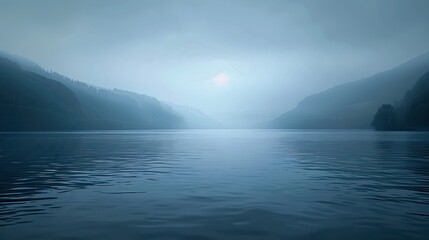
[(353, 104), (34, 99), (238, 61)]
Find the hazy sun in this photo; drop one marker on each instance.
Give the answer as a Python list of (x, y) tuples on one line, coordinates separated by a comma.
[(221, 80)]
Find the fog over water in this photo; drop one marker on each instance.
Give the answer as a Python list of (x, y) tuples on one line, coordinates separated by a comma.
[(231, 59)]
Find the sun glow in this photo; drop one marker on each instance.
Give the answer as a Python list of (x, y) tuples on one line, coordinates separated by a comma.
[(221, 80)]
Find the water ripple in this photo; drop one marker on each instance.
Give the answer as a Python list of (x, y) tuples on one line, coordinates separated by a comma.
[(232, 184)]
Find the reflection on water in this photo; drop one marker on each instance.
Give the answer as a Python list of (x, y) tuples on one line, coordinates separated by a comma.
[(229, 184)]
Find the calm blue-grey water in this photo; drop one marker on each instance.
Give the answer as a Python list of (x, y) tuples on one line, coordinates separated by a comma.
[(214, 184)]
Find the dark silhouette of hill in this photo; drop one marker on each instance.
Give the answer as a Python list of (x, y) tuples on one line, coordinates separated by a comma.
[(353, 104), (33, 99), (31, 102), (411, 113)]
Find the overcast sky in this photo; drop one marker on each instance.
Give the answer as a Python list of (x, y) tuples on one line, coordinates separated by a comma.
[(232, 57)]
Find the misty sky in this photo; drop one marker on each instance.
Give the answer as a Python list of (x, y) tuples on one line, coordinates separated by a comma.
[(230, 58)]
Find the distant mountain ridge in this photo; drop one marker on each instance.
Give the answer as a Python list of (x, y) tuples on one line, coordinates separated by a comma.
[(98, 108), (353, 104), (194, 118)]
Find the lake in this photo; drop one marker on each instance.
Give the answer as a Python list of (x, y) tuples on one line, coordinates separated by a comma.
[(214, 184)]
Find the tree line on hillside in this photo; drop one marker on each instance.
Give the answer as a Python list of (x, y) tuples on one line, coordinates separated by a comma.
[(50, 102), (411, 113)]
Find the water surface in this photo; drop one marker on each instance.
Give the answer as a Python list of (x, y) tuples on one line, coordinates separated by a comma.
[(214, 184)]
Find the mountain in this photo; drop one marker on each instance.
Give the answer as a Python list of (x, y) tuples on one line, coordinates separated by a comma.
[(31, 102), (193, 118), (353, 104), (34, 99), (411, 113)]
